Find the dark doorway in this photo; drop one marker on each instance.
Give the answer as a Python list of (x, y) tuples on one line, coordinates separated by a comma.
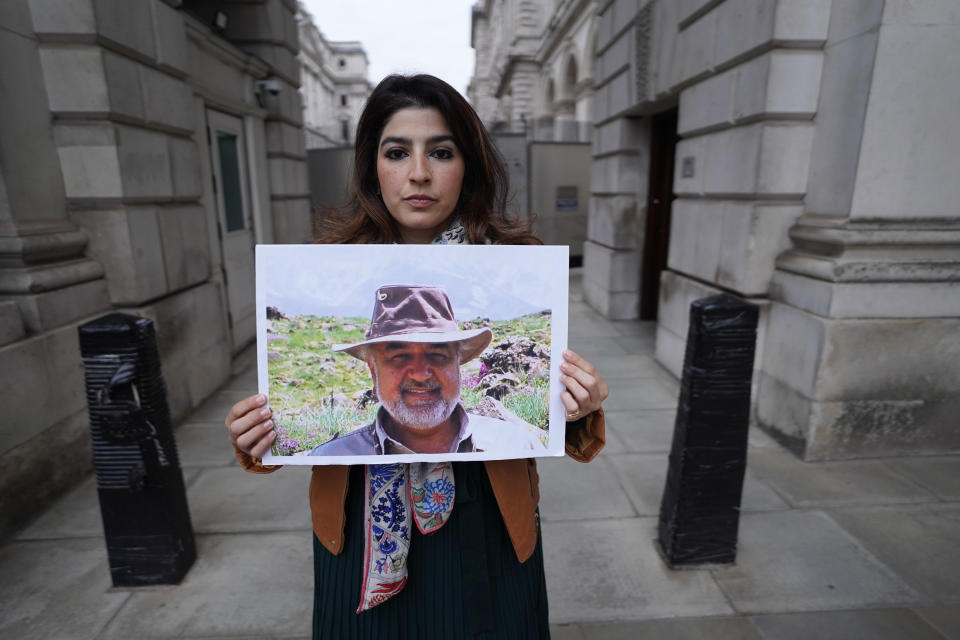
[(663, 145)]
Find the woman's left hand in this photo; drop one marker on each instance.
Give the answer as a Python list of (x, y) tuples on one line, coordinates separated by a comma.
[(586, 390)]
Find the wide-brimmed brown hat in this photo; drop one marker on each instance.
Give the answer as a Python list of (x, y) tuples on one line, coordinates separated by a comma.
[(414, 313)]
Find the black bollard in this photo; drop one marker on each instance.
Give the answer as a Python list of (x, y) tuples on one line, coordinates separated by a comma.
[(142, 497), (700, 511)]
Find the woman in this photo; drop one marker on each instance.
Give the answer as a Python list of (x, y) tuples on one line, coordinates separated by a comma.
[(425, 171)]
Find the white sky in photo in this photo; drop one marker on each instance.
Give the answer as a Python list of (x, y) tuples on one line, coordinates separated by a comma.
[(499, 282), (429, 36)]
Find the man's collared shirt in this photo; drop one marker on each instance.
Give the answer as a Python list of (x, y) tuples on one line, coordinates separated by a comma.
[(477, 433)]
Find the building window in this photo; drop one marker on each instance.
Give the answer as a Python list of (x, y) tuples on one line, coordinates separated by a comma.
[(345, 130), (342, 63), (343, 100)]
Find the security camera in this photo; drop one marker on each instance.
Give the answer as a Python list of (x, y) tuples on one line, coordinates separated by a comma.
[(272, 86)]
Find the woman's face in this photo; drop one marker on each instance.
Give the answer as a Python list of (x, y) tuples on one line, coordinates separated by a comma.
[(420, 170)]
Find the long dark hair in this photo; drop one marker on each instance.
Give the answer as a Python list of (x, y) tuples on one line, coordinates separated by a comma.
[(482, 207)]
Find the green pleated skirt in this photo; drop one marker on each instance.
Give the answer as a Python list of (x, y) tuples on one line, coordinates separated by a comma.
[(464, 579)]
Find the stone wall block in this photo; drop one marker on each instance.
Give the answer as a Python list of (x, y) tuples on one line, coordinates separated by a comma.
[(802, 20), (622, 92), (144, 163), (171, 38), (613, 59), (605, 28), (283, 137), (686, 8), (731, 160), (91, 172), (127, 244), (902, 359), (186, 253), (167, 100), (283, 61), (854, 18), (615, 222), (622, 174), (11, 324), (265, 21), (75, 79), (696, 228), (288, 177), (794, 82), (61, 17), (128, 23), (742, 25), (909, 154), (123, 80), (624, 11), (615, 270), (185, 168), (752, 240), (794, 343), (845, 90), (785, 159), (193, 340), (694, 149), (292, 220), (673, 316), (41, 383), (50, 309), (708, 103), (693, 52), (750, 95)]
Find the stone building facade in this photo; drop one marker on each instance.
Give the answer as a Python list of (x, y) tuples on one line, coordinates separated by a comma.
[(333, 85), (534, 67), (801, 154), (145, 146)]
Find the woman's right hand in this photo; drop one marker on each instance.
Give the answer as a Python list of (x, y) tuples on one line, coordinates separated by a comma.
[(250, 426)]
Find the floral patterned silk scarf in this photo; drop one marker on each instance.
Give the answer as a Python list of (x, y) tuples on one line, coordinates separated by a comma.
[(392, 491)]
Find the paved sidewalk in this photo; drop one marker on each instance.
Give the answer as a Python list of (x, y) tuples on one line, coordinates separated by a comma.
[(846, 550)]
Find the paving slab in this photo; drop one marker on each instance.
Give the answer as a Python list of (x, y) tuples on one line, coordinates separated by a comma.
[(791, 561), (636, 344), (232, 500), (56, 589), (215, 408), (566, 632), (643, 430), (204, 444), (851, 482), (921, 544), (585, 322), (244, 382), (571, 490), (876, 624), (76, 514), (628, 394), (940, 475), (676, 629), (241, 585), (602, 570), (643, 477), (647, 328), (633, 365), (593, 347), (944, 618)]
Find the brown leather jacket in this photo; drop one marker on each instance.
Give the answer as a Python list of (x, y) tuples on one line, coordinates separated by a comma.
[(515, 484)]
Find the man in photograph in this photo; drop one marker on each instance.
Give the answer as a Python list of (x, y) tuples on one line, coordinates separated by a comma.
[(414, 349)]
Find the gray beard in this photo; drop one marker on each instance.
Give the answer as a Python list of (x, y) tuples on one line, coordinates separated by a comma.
[(422, 417)]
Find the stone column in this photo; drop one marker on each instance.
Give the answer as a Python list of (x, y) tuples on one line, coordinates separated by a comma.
[(611, 253), (42, 265), (863, 342), (268, 29)]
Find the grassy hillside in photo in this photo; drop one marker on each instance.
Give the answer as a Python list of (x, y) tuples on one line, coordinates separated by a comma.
[(317, 394)]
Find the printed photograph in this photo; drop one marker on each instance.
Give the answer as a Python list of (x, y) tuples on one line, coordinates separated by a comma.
[(417, 353)]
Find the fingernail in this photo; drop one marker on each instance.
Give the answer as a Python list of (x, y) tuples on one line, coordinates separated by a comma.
[(268, 424), (260, 399), (265, 413), (567, 353)]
